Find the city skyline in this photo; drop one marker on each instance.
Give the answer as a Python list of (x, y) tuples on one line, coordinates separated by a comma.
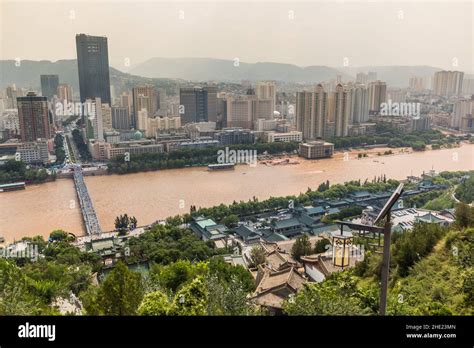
[(267, 32)]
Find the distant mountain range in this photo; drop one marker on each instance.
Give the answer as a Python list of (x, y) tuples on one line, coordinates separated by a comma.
[(167, 70), (208, 69), (395, 76), (27, 74)]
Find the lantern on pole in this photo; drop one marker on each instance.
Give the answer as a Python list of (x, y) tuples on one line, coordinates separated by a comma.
[(341, 248)]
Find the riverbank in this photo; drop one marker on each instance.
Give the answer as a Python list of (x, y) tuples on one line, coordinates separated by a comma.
[(156, 195)]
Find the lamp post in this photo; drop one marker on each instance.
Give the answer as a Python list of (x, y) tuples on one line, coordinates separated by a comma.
[(369, 230), (341, 248)]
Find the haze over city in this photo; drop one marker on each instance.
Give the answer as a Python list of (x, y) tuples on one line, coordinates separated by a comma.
[(439, 34), (230, 158)]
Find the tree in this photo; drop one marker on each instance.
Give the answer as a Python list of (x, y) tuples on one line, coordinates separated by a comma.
[(230, 220), (464, 215), (226, 273), (154, 303), (320, 245), (301, 247), (191, 299), (59, 235), (121, 292), (133, 222), (121, 223), (465, 191), (174, 275), (257, 256), (410, 246), (227, 298), (15, 298), (337, 295)]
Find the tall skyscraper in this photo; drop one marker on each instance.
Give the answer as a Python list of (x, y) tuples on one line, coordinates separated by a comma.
[(448, 83), (377, 95), (198, 104), (33, 117), (93, 67), (49, 85)]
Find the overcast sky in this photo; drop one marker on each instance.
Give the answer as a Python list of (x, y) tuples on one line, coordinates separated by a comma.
[(302, 33)]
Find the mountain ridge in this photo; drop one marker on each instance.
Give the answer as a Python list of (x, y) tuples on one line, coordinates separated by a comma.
[(204, 69)]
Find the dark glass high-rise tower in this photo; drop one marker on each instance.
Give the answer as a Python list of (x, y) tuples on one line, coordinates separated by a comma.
[(49, 85), (200, 104), (93, 67)]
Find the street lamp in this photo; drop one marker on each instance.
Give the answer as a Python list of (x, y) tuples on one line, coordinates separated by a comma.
[(341, 248), (370, 231)]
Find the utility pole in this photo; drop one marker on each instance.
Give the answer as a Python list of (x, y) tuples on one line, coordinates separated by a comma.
[(387, 234)]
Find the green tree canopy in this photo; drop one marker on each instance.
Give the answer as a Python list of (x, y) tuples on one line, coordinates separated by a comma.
[(301, 247)]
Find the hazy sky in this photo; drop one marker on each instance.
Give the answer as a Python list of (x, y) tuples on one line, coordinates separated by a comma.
[(302, 33)]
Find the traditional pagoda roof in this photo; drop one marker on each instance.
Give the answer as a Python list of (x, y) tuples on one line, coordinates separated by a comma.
[(273, 287), (429, 218)]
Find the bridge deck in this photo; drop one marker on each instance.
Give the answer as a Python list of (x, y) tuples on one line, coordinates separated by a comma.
[(87, 208)]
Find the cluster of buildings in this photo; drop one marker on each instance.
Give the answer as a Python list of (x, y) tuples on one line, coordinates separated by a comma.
[(31, 123), (281, 276), (147, 119)]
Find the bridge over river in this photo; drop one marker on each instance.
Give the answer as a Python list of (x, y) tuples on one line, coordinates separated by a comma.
[(87, 208)]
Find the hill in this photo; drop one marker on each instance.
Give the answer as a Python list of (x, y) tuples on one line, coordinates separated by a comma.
[(208, 69)]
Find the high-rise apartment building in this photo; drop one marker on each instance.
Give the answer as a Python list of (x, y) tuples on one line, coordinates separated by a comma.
[(65, 92), (244, 111), (106, 117), (448, 83), (267, 90), (341, 112), (120, 118), (49, 85), (126, 101), (93, 67), (12, 94), (198, 104), (320, 114), (371, 76), (144, 97), (358, 100), (95, 124), (377, 95), (416, 83), (362, 78), (33, 117), (462, 109), (311, 112)]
